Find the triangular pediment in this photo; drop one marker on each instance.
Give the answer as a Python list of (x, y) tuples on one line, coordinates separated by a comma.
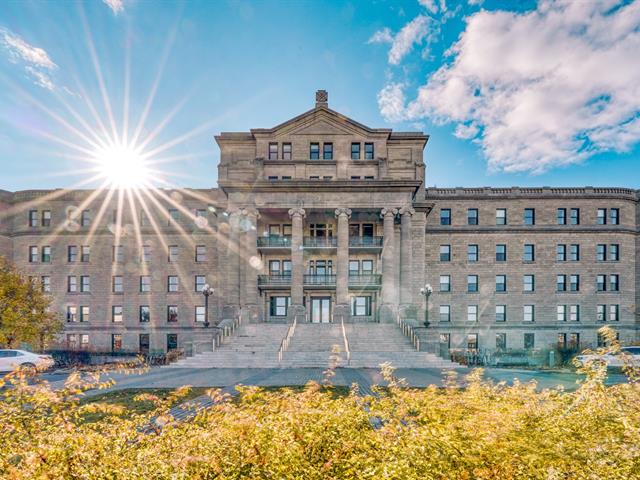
[(320, 127)]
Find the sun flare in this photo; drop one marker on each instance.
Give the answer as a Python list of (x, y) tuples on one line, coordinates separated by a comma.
[(123, 165)]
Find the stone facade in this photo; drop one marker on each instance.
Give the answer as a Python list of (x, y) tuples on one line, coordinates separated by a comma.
[(323, 219)]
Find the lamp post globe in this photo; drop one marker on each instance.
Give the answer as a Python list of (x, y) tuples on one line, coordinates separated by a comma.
[(207, 290), (426, 293)]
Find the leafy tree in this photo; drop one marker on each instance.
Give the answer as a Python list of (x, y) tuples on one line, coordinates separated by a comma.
[(25, 315)]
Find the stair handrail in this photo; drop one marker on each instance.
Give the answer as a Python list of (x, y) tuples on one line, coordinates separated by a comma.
[(346, 341), (408, 332), (284, 345), (225, 331)]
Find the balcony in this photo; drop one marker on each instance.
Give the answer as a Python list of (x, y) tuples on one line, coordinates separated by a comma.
[(319, 280), (365, 281), (320, 242), (365, 243), (274, 281), (274, 243)]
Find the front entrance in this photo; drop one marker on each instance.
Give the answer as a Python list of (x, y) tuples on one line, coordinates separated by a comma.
[(320, 309)]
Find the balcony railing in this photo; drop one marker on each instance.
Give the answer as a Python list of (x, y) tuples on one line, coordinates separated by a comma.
[(274, 280), (274, 241), (365, 242), (326, 280), (365, 280), (321, 242)]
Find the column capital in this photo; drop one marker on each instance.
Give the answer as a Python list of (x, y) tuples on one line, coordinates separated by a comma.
[(343, 211), (250, 212), (388, 211), (297, 212), (407, 210)]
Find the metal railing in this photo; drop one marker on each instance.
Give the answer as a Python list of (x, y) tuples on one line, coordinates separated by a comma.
[(226, 331), (274, 280), (365, 241), (345, 340), (275, 241), (408, 332), (365, 279), (319, 279), (320, 242), (284, 345)]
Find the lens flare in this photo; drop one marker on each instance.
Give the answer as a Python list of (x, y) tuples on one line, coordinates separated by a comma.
[(123, 165)]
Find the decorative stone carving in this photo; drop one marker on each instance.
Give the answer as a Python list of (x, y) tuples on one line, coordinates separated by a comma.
[(343, 211), (322, 97), (388, 211), (407, 209), (297, 212)]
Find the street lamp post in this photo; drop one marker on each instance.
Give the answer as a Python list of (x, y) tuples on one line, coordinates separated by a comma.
[(426, 293), (207, 290)]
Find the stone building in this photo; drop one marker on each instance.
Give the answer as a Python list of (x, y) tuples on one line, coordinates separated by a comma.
[(323, 219)]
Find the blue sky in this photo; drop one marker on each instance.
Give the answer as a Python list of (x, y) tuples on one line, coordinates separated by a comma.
[(507, 96)]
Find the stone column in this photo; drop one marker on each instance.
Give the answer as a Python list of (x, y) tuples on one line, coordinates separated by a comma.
[(252, 265), (342, 309), (297, 263), (406, 270), (388, 259), (232, 268)]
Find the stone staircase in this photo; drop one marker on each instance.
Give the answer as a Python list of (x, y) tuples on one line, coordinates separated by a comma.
[(316, 345)]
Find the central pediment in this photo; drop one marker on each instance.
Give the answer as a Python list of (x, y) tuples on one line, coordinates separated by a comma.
[(320, 127)]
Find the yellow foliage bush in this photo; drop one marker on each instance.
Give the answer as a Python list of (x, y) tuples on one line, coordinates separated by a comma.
[(470, 429)]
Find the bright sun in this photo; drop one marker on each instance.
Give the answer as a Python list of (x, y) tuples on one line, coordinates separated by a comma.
[(123, 166)]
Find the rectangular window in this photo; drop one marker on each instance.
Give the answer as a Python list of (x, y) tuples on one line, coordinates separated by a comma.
[(445, 283), (72, 314), (529, 216), (144, 219), (200, 282), (85, 218), (200, 213), (368, 151), (85, 253), (562, 340), (84, 341), (278, 306), (273, 151), (286, 151), (355, 151), (354, 267), (145, 254), (561, 313), (174, 216), (574, 313), (445, 339), (144, 314), (361, 306), (601, 218), (33, 218), (472, 341), (85, 283), (45, 282), (327, 151), (116, 313), (72, 284), (501, 216), (574, 282), (501, 313), (274, 267), (614, 284), (116, 342), (367, 267), (561, 253), (501, 253), (472, 313), (172, 341), (600, 312), (614, 313), (561, 216), (172, 256), (117, 254), (472, 283), (601, 283), (46, 254), (528, 313), (601, 252), (199, 313), (85, 313), (574, 252), (614, 216), (116, 284), (445, 253), (574, 341), (529, 341), (472, 253), (172, 283), (614, 252), (314, 151), (445, 216), (46, 218), (445, 313), (501, 341), (561, 283), (501, 283), (575, 216), (201, 253), (172, 313), (529, 253), (286, 230), (529, 283), (145, 283), (33, 255), (72, 253), (472, 216)]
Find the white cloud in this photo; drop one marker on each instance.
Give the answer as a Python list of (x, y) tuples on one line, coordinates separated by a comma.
[(116, 6), (37, 62), (538, 89), (381, 36), (412, 33), (475, 2), (391, 102)]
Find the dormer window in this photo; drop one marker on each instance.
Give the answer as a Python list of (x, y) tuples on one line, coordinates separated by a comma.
[(355, 151), (327, 151), (286, 151), (368, 151), (273, 151), (314, 151)]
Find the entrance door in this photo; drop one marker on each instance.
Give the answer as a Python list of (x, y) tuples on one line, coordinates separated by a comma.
[(320, 309)]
